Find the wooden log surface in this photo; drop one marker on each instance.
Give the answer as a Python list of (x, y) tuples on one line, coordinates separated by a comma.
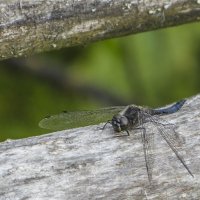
[(88, 163), (30, 26)]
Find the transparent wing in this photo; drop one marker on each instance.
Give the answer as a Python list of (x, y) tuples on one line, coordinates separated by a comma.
[(67, 120), (170, 136), (148, 144), (176, 139)]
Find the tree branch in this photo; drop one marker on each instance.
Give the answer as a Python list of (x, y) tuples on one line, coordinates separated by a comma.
[(28, 27), (57, 77), (87, 163)]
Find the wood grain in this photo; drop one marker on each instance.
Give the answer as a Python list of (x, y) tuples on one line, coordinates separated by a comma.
[(28, 27), (88, 163)]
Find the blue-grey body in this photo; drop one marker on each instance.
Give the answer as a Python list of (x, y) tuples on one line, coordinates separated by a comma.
[(169, 110)]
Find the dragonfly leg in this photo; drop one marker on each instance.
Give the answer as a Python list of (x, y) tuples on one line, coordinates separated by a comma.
[(108, 122), (128, 134)]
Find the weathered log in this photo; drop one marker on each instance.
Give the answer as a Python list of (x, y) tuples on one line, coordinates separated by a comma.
[(88, 163), (30, 26)]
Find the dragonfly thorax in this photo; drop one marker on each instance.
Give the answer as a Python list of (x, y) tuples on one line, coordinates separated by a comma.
[(120, 123)]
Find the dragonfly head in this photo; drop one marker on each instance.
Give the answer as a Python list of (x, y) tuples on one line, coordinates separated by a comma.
[(119, 123)]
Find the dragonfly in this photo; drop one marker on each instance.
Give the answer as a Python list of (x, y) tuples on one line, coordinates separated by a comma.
[(126, 119)]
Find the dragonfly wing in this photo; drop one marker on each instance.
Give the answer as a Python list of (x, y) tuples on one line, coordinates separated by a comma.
[(175, 138), (148, 143), (67, 120), (171, 139)]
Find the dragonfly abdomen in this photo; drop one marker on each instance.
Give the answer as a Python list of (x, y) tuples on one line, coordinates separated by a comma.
[(172, 109)]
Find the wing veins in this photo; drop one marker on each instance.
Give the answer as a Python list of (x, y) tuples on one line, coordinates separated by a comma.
[(170, 143), (77, 119), (147, 148)]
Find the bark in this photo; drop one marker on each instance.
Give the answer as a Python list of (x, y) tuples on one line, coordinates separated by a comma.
[(29, 26), (88, 163)]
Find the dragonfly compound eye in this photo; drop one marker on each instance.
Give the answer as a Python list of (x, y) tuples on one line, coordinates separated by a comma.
[(116, 123), (119, 123)]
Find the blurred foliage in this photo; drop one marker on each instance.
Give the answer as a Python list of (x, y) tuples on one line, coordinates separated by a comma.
[(153, 69)]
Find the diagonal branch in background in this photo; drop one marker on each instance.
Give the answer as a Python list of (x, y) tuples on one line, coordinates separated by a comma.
[(57, 77), (28, 27), (88, 163)]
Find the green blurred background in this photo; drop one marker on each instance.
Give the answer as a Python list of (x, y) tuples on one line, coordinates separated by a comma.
[(154, 69)]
